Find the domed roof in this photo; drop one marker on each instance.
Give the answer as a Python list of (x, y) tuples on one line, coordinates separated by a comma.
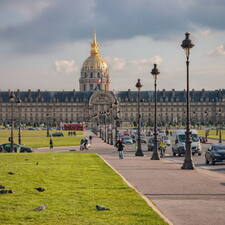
[(94, 61)]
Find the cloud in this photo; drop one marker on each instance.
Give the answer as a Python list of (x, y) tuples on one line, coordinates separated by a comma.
[(121, 64), (57, 22), (116, 64), (218, 51), (65, 66)]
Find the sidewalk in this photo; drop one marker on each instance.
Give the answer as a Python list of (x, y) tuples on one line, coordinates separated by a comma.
[(184, 197)]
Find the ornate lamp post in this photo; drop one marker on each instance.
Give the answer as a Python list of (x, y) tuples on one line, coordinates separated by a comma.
[(155, 156), (47, 116), (111, 133), (139, 150), (188, 164), (220, 133), (116, 126), (108, 119), (19, 128), (12, 100)]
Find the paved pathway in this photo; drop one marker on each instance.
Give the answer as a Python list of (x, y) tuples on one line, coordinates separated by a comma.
[(184, 197)]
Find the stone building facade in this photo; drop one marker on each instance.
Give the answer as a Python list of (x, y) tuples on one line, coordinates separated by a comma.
[(95, 97)]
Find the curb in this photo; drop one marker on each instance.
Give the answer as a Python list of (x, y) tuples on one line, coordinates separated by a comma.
[(149, 202)]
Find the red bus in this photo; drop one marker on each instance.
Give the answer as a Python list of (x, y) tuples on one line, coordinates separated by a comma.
[(74, 126)]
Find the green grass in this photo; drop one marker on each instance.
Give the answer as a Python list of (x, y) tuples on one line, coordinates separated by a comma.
[(212, 134), (75, 183), (38, 139)]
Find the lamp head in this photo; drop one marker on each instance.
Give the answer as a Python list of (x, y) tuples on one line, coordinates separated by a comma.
[(187, 44), (138, 84), (155, 72)]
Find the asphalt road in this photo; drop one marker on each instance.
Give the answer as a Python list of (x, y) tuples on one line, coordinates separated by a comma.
[(199, 161)]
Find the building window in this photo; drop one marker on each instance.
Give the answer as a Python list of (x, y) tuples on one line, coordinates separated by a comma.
[(98, 75), (91, 86), (91, 75)]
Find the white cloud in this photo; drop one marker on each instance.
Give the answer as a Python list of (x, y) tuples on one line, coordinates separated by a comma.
[(218, 51), (146, 62), (116, 64), (121, 64), (66, 66)]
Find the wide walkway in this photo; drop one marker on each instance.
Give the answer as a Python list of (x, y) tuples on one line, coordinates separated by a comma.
[(185, 197)]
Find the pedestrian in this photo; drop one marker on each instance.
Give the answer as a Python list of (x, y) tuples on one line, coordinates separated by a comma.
[(51, 143), (120, 147), (82, 144), (86, 143), (90, 139)]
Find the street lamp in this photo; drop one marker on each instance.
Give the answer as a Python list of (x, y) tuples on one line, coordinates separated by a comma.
[(139, 150), (47, 116), (220, 134), (111, 133), (108, 116), (12, 100), (19, 118), (155, 156), (188, 164)]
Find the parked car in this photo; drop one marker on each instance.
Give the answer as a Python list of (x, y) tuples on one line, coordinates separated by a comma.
[(151, 143), (57, 134), (127, 140), (215, 153), (16, 148)]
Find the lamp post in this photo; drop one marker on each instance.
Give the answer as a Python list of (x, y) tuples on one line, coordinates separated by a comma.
[(108, 125), (220, 133), (105, 137), (139, 150), (188, 164), (116, 128), (47, 116), (19, 128), (155, 156), (12, 100), (111, 133)]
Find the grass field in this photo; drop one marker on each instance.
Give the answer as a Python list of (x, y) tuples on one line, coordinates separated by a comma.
[(75, 183), (212, 134), (37, 138)]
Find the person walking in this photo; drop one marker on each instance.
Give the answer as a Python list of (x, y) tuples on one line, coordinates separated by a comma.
[(51, 143), (120, 147), (86, 143), (90, 139)]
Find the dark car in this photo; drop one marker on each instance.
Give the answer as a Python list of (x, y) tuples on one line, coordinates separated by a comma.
[(215, 153), (57, 134), (151, 143), (16, 148)]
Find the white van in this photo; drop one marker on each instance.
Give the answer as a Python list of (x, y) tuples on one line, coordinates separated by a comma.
[(178, 142)]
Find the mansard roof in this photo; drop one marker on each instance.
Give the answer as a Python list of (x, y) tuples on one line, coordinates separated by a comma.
[(172, 96), (48, 96), (122, 96)]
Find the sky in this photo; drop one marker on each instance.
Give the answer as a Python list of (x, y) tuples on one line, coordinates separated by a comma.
[(44, 43)]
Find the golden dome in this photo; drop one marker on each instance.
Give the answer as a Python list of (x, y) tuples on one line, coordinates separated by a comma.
[(94, 61)]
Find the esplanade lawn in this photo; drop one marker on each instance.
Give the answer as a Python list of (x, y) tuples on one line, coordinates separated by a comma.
[(74, 184), (38, 138)]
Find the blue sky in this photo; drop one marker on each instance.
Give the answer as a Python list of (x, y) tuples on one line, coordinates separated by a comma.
[(44, 43)]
